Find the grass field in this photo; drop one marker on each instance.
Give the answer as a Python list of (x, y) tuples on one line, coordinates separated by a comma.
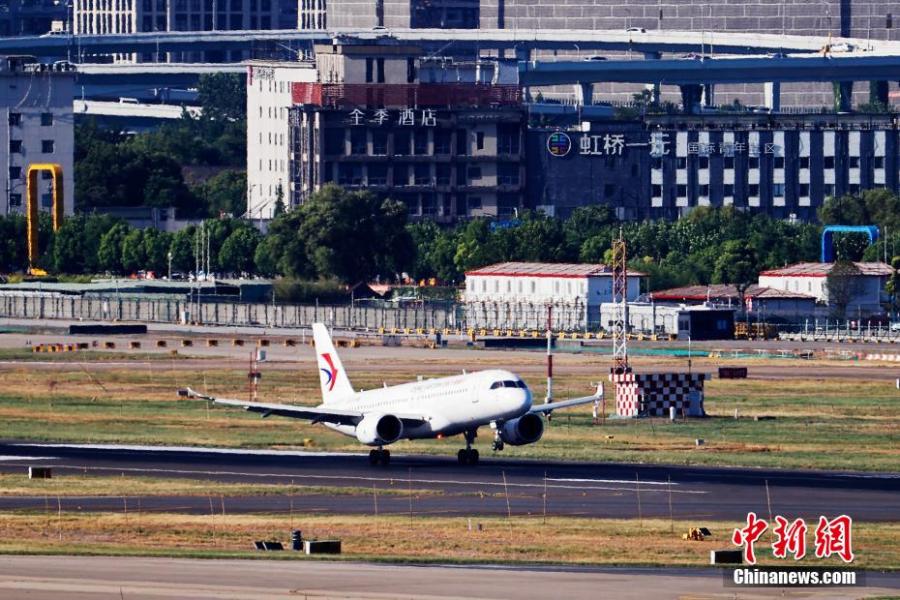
[(818, 422), (393, 538)]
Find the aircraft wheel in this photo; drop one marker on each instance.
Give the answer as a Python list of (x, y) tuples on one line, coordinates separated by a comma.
[(461, 457), (385, 457), (473, 457), (374, 457)]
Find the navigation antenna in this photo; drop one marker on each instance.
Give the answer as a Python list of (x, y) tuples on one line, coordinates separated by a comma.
[(620, 299)]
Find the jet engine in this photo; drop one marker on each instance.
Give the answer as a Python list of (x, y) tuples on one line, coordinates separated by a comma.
[(526, 429), (379, 430)]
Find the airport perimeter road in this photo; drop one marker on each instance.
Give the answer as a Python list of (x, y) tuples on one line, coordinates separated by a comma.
[(96, 578), (573, 489)]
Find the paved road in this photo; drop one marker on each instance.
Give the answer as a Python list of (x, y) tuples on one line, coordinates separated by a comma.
[(102, 578), (576, 489)]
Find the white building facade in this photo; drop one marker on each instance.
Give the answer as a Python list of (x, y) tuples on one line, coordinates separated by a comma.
[(519, 295), (37, 128), (864, 292), (269, 99)]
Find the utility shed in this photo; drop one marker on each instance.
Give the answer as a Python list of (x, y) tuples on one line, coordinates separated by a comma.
[(696, 322), (518, 294)]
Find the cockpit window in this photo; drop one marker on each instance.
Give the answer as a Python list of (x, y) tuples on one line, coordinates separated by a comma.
[(521, 384), (507, 384)]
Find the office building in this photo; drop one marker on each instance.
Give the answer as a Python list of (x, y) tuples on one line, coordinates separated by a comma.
[(38, 128)]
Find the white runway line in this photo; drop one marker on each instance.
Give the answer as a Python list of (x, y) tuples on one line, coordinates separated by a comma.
[(368, 480), (22, 458), (200, 449), (642, 482)]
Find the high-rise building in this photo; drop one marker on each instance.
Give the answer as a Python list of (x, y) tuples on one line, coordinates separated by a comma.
[(38, 128), (445, 137), (32, 17)]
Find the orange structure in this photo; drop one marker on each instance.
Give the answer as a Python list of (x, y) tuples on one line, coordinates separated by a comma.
[(31, 213)]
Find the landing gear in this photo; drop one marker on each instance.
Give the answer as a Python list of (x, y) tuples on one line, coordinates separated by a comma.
[(379, 457), (468, 456)]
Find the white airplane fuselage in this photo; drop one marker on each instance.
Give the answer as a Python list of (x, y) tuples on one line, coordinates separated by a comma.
[(448, 405)]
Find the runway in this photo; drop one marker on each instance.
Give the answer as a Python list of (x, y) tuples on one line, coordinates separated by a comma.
[(442, 487), (96, 578)]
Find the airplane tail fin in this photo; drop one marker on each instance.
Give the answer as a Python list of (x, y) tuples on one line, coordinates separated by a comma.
[(333, 378)]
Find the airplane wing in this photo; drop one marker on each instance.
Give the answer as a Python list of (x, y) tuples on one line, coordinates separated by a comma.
[(550, 407), (336, 416)]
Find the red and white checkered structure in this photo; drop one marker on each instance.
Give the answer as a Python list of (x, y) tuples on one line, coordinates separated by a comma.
[(652, 394)]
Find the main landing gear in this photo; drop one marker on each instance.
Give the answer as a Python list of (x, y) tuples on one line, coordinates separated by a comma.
[(469, 455), (379, 457)]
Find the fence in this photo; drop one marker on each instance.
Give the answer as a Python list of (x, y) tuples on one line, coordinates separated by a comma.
[(175, 311)]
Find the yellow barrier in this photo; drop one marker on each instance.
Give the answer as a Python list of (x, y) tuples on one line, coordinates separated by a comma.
[(262, 343)]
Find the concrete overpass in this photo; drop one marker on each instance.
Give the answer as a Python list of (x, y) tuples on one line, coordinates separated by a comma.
[(451, 40)]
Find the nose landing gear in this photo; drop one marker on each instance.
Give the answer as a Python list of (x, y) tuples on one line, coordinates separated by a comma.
[(379, 457), (469, 455)]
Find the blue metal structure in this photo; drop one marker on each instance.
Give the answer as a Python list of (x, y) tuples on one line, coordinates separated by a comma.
[(830, 230)]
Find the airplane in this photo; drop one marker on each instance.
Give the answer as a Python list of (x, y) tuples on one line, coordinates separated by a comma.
[(426, 409)]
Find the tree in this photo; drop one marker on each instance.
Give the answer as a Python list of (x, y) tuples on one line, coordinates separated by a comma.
[(893, 283), (737, 264), (841, 285), (109, 254), (134, 255), (182, 247), (239, 249), (156, 251), (223, 96), (12, 243), (224, 194), (354, 236), (68, 249)]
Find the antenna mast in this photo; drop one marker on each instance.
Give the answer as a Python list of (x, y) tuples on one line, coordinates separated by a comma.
[(620, 300)]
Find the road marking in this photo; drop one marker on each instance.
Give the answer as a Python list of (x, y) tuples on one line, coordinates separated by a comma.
[(642, 482), (359, 478), (21, 458)]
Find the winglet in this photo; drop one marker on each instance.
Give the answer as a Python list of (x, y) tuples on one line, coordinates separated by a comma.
[(333, 378)]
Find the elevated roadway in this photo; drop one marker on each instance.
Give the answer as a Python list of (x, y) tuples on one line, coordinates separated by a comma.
[(453, 40)]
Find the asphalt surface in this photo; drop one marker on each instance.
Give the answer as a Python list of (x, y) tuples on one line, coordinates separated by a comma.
[(102, 578), (572, 489)]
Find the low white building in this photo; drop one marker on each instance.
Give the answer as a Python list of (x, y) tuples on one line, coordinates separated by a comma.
[(269, 98), (862, 292), (37, 127), (520, 295)]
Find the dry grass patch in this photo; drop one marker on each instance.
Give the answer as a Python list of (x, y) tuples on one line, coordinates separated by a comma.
[(520, 540)]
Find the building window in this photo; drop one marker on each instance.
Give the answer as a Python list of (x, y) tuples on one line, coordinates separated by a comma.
[(422, 174), (703, 162), (380, 64), (804, 162), (370, 64), (754, 190), (828, 190), (15, 146), (681, 162), (420, 142), (349, 174), (508, 174), (358, 141), (462, 143), (656, 190), (401, 175), (15, 119), (854, 162), (479, 140), (379, 143), (410, 70), (681, 190), (728, 190), (854, 189), (878, 162), (442, 141), (779, 162), (15, 172), (475, 202), (828, 162), (474, 172), (753, 162), (704, 190), (804, 190), (507, 139), (778, 190), (15, 199), (728, 162), (377, 174), (401, 143), (442, 173)]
